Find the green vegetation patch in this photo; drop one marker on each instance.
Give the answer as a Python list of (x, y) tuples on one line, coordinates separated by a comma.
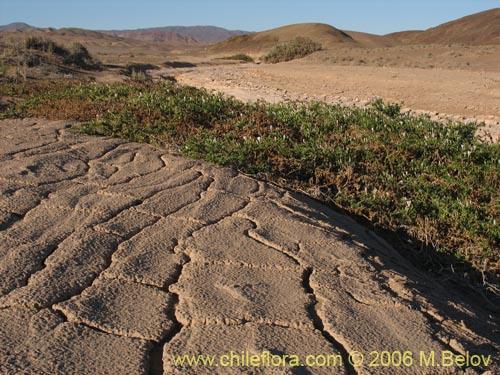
[(295, 49), (435, 185), (239, 57)]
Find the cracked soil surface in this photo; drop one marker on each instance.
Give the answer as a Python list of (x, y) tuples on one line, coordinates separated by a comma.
[(116, 256)]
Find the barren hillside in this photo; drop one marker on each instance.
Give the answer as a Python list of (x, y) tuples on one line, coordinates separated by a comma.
[(404, 37), (372, 40), (261, 42), (69, 35), (477, 29)]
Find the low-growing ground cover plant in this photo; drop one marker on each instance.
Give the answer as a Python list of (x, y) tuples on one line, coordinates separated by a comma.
[(435, 185)]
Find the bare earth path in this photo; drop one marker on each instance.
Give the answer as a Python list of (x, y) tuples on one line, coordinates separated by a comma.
[(116, 256)]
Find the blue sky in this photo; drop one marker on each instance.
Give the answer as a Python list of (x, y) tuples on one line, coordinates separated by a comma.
[(378, 17)]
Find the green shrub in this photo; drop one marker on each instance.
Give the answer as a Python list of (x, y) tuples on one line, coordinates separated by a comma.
[(390, 109), (239, 57), (139, 76), (79, 56), (295, 49), (139, 72)]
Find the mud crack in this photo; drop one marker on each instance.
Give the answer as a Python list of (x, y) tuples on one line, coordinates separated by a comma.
[(156, 366), (318, 322)]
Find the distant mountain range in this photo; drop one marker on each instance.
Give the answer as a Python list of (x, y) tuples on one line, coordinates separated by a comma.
[(156, 35), (175, 35), (16, 25), (190, 34), (477, 29)]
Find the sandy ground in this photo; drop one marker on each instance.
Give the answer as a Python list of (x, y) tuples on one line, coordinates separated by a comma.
[(116, 256), (457, 94)]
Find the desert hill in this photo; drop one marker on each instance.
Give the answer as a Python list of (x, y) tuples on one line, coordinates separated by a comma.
[(404, 37), (477, 29), (15, 25), (261, 42), (68, 36), (109, 49)]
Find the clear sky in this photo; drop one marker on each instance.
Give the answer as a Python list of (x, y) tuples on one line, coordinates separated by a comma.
[(372, 16)]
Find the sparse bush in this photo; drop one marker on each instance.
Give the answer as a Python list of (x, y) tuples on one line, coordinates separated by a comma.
[(32, 60), (77, 55), (239, 56), (139, 72), (179, 64), (295, 49), (168, 78), (46, 45), (139, 76)]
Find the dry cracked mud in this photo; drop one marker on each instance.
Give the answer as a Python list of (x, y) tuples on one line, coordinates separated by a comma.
[(115, 257)]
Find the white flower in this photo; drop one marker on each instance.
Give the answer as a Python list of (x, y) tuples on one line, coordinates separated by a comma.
[(407, 202)]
